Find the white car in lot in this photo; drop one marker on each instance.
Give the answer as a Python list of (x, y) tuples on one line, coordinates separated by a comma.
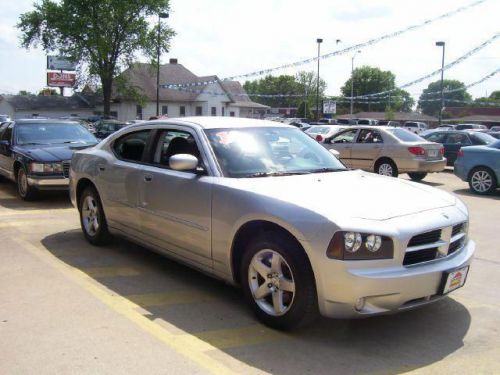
[(321, 132), (415, 127), (244, 200)]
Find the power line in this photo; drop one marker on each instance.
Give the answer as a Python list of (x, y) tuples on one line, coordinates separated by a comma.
[(335, 53)]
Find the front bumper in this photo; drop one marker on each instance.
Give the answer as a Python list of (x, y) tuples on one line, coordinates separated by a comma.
[(49, 182), (425, 166), (391, 289)]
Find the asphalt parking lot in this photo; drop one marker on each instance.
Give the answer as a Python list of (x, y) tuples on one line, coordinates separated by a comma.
[(68, 307)]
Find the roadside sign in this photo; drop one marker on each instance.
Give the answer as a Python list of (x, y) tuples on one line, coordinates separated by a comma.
[(329, 106), (61, 79), (60, 63)]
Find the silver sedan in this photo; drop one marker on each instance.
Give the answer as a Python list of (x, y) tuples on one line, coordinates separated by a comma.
[(242, 200), (387, 151)]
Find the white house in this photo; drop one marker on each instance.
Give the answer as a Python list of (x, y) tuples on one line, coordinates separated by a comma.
[(210, 97)]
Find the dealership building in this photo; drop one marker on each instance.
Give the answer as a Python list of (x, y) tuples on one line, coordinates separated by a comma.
[(206, 96)]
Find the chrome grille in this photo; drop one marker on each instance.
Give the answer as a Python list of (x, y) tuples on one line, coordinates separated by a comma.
[(66, 165), (435, 244)]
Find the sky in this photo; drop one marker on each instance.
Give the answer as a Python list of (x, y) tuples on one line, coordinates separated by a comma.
[(233, 37)]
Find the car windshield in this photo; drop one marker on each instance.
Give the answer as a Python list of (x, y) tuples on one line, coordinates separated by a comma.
[(50, 133), (405, 135), (269, 151)]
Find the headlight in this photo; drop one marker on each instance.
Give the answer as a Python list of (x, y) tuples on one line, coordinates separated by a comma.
[(46, 167), (37, 167), (360, 246)]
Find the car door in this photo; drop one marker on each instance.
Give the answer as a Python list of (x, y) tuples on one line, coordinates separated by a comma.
[(119, 181), (453, 142), (176, 205), (6, 165), (366, 149), (343, 143)]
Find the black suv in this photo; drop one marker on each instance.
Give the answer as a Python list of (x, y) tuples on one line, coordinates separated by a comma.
[(36, 153)]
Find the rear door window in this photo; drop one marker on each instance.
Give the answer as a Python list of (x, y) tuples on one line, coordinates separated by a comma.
[(458, 138), (436, 137), (345, 137)]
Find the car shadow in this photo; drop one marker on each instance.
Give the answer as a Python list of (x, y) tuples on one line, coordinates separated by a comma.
[(52, 200), (466, 192), (387, 344)]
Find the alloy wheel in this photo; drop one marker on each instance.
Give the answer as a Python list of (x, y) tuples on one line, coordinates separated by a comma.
[(481, 181), (385, 169), (90, 216), (271, 282)]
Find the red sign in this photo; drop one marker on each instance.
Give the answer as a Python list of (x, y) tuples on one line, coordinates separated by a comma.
[(61, 79)]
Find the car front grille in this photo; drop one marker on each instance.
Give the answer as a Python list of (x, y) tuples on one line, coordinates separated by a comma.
[(435, 244), (66, 165)]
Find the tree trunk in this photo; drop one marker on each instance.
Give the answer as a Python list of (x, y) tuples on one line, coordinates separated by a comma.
[(106, 93)]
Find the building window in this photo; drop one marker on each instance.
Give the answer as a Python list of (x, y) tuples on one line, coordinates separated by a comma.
[(231, 114), (222, 111), (199, 111), (182, 111), (214, 111), (164, 109), (138, 112)]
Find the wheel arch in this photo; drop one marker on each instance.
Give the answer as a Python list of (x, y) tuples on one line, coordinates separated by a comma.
[(252, 229), (82, 184), (382, 158)]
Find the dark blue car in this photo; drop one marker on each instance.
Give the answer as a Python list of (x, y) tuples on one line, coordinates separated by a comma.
[(36, 153), (480, 167)]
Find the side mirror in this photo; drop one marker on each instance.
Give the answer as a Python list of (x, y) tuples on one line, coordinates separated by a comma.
[(334, 153), (5, 143), (183, 162)]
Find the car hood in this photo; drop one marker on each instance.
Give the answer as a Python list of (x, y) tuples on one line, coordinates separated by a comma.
[(353, 194), (51, 153)]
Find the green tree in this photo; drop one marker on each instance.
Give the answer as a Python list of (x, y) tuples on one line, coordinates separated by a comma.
[(372, 80), (24, 93), (48, 92), (430, 99), (495, 95), (295, 90), (102, 35)]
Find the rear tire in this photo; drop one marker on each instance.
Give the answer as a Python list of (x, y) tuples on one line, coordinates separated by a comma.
[(417, 176), (92, 218), (25, 191), (386, 167), (278, 282), (482, 181)]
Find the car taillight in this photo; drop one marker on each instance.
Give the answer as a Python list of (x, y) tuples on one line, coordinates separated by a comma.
[(419, 151), (460, 153), (441, 151), (319, 138)]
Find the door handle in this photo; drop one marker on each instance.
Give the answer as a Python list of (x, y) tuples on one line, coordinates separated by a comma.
[(148, 178), (101, 168)]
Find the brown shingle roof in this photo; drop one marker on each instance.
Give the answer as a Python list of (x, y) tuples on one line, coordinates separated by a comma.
[(398, 116)]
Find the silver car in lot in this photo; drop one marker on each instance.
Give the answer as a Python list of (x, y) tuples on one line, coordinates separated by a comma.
[(387, 151), (242, 200)]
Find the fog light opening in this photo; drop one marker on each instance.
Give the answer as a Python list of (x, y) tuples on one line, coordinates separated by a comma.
[(360, 304)]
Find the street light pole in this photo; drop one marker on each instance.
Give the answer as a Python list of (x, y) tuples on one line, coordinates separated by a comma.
[(441, 44), (319, 41), (352, 80), (158, 53)]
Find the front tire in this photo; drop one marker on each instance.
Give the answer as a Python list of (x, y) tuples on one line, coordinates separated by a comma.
[(417, 176), (278, 282), (482, 181), (25, 191), (92, 218), (386, 167)]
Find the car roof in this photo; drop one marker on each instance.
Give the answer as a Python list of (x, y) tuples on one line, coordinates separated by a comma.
[(216, 122), (45, 120)]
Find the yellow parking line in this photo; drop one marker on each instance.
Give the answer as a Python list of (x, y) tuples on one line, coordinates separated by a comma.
[(186, 344), (170, 298), (98, 272), (235, 337)]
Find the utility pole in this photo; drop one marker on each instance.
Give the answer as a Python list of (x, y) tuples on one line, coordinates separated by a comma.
[(441, 44), (352, 80), (158, 55), (319, 41)]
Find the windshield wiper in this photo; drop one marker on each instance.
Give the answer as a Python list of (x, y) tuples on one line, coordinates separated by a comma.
[(274, 174), (322, 170)]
